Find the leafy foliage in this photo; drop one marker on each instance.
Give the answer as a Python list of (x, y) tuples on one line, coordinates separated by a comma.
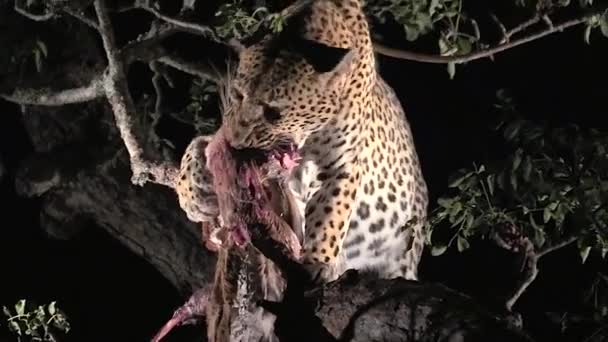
[(239, 21), (553, 185), (456, 32), (41, 323)]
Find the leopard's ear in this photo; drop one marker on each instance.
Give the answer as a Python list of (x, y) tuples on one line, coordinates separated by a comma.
[(323, 58), (332, 63)]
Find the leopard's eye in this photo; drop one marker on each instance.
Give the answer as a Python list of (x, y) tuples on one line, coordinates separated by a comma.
[(237, 96), (271, 114)]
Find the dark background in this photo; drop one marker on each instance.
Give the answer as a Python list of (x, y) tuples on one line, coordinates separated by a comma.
[(110, 294)]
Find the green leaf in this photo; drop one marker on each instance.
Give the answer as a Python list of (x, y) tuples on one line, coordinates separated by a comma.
[(6, 311), (20, 307), (462, 243), (451, 69), (527, 168), (51, 308), (604, 23), (42, 47), (490, 181), (587, 34), (438, 250), (38, 60), (540, 237), (433, 6), (516, 160), (14, 327), (584, 252), (456, 180), (445, 202), (546, 214), (469, 222), (464, 45), (512, 129), (513, 179)]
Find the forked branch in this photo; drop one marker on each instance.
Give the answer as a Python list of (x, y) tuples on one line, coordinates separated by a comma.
[(532, 256), (504, 45), (119, 97)]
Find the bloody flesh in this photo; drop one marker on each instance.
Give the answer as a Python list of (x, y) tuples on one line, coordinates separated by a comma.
[(242, 187), (247, 193)]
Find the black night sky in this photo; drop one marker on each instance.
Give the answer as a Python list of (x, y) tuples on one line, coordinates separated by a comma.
[(110, 294)]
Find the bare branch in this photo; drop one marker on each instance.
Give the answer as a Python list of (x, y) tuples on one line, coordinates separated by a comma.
[(502, 28), (47, 97), (119, 97), (82, 17), (523, 26), (179, 23), (146, 49), (531, 268), (197, 69), (557, 246), (531, 271), (484, 53), (20, 8)]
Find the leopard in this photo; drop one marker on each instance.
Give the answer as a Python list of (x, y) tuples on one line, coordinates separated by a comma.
[(359, 183)]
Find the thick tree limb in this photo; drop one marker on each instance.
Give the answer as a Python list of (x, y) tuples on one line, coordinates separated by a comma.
[(485, 53), (360, 307), (147, 221)]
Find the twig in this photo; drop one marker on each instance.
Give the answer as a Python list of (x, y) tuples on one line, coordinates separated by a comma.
[(82, 18), (182, 25), (20, 8), (145, 50), (484, 53), (557, 246), (47, 97), (531, 269), (198, 69), (119, 97), (160, 73)]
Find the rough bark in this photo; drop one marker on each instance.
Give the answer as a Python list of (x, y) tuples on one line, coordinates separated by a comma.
[(88, 183), (82, 172), (360, 307)]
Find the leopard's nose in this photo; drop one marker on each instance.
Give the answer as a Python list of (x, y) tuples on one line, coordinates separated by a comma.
[(234, 137)]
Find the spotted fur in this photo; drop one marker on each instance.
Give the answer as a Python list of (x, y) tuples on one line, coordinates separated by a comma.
[(359, 184), (195, 183)]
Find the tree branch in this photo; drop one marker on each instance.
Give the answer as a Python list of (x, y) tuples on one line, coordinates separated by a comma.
[(197, 69), (146, 49), (20, 8), (557, 246), (48, 97), (82, 18), (179, 23), (531, 269), (484, 53), (119, 97)]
